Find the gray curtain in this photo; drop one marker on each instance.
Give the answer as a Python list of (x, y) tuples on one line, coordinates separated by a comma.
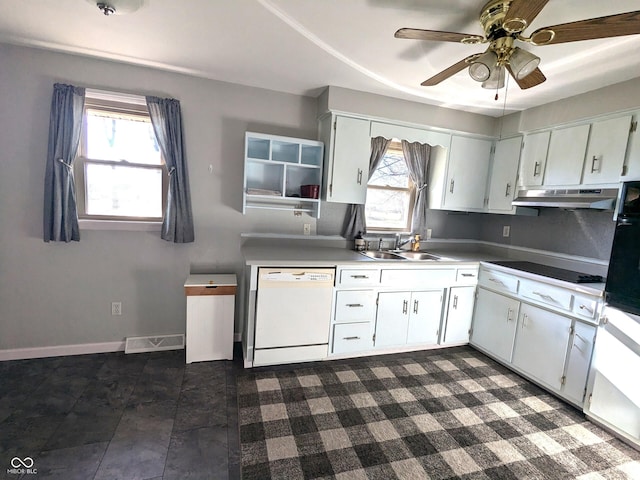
[(166, 118), (417, 157), (60, 219), (355, 220)]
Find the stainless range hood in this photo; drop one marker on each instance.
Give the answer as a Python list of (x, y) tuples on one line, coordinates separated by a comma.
[(596, 198)]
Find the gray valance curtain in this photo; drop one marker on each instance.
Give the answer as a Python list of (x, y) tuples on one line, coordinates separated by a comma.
[(60, 219), (355, 220), (417, 157), (166, 118)]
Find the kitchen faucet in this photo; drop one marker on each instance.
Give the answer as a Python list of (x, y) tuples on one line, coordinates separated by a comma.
[(399, 243)]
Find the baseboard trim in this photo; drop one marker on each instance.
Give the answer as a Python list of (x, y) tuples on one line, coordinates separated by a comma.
[(60, 350)]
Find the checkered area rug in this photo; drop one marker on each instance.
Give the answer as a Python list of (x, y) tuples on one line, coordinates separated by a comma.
[(441, 414)]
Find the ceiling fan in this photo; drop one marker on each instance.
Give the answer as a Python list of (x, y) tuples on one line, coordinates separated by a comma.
[(503, 22)]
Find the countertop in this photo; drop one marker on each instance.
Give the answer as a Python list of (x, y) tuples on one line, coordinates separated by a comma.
[(289, 255), (284, 256)]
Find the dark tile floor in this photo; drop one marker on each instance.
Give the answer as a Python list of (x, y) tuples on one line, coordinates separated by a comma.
[(116, 416)]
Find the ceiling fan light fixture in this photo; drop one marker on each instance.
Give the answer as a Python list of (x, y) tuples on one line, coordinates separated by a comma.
[(480, 68), (496, 79), (523, 63), (118, 7)]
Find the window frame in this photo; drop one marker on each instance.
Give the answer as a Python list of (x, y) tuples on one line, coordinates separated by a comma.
[(396, 145), (129, 105)]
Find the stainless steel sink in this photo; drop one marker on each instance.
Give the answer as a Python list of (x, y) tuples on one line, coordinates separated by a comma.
[(418, 256), (382, 255)]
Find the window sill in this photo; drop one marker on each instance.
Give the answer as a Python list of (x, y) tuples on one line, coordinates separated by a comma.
[(124, 225)]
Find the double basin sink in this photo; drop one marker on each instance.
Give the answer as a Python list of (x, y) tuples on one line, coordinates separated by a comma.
[(399, 255)]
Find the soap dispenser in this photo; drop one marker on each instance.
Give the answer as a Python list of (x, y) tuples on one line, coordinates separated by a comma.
[(359, 243)]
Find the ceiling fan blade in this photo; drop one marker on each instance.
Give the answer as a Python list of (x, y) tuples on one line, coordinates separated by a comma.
[(448, 72), (437, 36), (521, 13), (534, 78), (601, 27)]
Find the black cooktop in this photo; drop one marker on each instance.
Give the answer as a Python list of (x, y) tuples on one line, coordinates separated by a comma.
[(552, 272)]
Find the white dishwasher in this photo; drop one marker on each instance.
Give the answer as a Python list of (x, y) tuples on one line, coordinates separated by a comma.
[(293, 314)]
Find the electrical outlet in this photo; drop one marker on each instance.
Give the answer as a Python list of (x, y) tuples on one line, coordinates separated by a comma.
[(307, 229), (506, 231), (116, 308), (428, 234)]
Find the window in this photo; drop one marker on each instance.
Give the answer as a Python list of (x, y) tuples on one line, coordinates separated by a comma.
[(390, 193), (120, 171)]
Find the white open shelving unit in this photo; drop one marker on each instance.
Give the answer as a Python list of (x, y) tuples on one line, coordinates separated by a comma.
[(274, 170)]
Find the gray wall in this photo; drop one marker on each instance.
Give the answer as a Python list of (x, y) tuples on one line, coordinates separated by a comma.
[(586, 233), (60, 294)]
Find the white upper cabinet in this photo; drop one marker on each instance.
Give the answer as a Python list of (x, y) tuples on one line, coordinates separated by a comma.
[(348, 141), (534, 158), (504, 174), (467, 172), (565, 159), (606, 152)]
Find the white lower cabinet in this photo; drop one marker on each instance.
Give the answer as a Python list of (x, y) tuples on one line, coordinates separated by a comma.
[(494, 323), (352, 337), (391, 308), (541, 344), (408, 317), (550, 342), (578, 361), (459, 315)]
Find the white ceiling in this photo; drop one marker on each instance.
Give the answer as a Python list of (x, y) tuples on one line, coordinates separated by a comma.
[(301, 46)]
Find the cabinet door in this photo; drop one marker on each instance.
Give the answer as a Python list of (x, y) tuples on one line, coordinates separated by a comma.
[(541, 344), (534, 157), (349, 161), (606, 152), (467, 173), (424, 317), (580, 348), (494, 323), (392, 321), (565, 159), (459, 314), (504, 174)]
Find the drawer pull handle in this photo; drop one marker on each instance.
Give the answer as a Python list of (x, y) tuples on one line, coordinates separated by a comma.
[(525, 317), (405, 306), (351, 338), (455, 301), (536, 169), (545, 296), (508, 190), (354, 305), (594, 167), (495, 280), (467, 274), (451, 186), (587, 308), (415, 306), (359, 276), (509, 315), (359, 177)]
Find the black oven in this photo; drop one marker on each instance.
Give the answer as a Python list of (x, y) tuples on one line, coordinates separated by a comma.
[(623, 278)]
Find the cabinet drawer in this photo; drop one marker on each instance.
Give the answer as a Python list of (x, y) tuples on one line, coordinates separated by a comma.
[(498, 281), (355, 305), (547, 294), (352, 337), (585, 306), (418, 278), (359, 277), (467, 275)]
